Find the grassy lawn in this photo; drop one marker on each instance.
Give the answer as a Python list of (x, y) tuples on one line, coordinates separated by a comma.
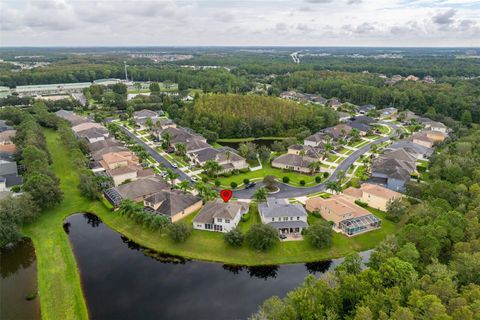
[(59, 279), (266, 170)]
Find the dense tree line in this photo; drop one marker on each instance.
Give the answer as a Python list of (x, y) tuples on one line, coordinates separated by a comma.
[(430, 269), (254, 116), (451, 98), (41, 187)]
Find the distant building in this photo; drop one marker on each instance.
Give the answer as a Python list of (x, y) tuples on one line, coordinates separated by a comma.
[(374, 195)]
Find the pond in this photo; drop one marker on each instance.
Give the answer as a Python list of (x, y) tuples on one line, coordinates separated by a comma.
[(258, 142), (122, 280), (18, 280)]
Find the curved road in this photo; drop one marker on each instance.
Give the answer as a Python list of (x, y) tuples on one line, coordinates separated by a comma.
[(287, 191)]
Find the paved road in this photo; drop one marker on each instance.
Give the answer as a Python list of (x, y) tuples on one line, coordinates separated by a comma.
[(156, 155), (287, 191)]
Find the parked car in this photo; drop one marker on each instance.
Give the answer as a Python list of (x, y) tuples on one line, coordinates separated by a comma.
[(194, 179), (250, 185), (173, 165)]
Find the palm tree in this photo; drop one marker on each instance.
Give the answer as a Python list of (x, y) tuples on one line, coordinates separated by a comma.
[(127, 208), (166, 139), (171, 175), (212, 168), (355, 134), (149, 123), (181, 149), (315, 166), (261, 194), (184, 185), (334, 186)]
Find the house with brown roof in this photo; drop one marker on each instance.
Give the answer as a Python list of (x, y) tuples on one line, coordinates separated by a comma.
[(122, 166), (98, 145), (85, 126), (428, 138), (70, 117), (347, 217), (137, 190), (226, 158), (374, 195), (298, 158), (220, 216), (173, 204), (6, 137)]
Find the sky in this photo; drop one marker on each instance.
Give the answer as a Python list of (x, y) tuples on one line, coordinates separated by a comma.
[(418, 23)]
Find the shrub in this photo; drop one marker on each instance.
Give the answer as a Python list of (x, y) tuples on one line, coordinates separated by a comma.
[(246, 181), (227, 174), (244, 170), (326, 174), (234, 238), (319, 234), (317, 214), (302, 182), (262, 237), (204, 179), (286, 179), (245, 217), (233, 184), (217, 183), (179, 232), (318, 179), (361, 203)]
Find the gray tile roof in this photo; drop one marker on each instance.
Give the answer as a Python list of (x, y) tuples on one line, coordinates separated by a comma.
[(281, 208), (293, 160), (93, 133), (97, 155), (206, 154), (142, 187), (145, 113), (219, 209), (412, 148), (95, 146), (70, 117), (172, 201)]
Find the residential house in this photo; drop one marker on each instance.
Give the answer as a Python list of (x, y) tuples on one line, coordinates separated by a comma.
[(334, 103), (340, 131), (86, 126), (362, 124), (226, 158), (287, 218), (298, 158), (71, 117), (121, 166), (347, 217), (343, 116), (110, 142), (173, 204), (94, 134), (220, 216), (412, 78), (390, 113), (428, 79), (4, 126), (9, 171), (435, 126), (7, 136), (315, 140), (136, 191), (366, 108), (144, 114), (420, 152), (374, 195), (393, 169), (98, 155), (428, 138)]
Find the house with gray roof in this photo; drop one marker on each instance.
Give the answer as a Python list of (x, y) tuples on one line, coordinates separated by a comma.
[(298, 158), (110, 142), (71, 117), (144, 113), (418, 151), (174, 204), (137, 190), (98, 155), (366, 108), (393, 169), (220, 216), (285, 217), (226, 158), (94, 134)]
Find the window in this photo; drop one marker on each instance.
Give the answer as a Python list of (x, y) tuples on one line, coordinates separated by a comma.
[(291, 218), (227, 220), (219, 219), (208, 226), (285, 218), (298, 218), (273, 219)]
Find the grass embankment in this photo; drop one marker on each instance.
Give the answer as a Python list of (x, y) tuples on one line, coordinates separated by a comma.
[(59, 279)]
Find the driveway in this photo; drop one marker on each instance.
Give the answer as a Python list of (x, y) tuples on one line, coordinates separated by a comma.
[(287, 191)]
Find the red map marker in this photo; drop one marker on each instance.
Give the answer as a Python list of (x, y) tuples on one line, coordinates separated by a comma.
[(226, 195)]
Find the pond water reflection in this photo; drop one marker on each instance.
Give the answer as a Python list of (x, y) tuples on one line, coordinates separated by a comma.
[(122, 280), (18, 279)]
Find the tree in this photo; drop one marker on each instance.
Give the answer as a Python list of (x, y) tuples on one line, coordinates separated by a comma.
[(264, 153), (262, 237), (270, 182), (466, 117), (319, 235), (89, 187), (248, 150), (396, 209), (234, 237), (334, 186), (179, 232), (315, 166), (355, 134), (211, 168), (171, 175), (181, 149), (44, 189), (261, 194), (184, 185), (352, 264), (166, 138), (154, 87), (14, 212), (149, 123), (137, 86), (119, 88)]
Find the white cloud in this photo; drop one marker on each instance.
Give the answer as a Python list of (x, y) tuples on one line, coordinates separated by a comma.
[(235, 22)]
